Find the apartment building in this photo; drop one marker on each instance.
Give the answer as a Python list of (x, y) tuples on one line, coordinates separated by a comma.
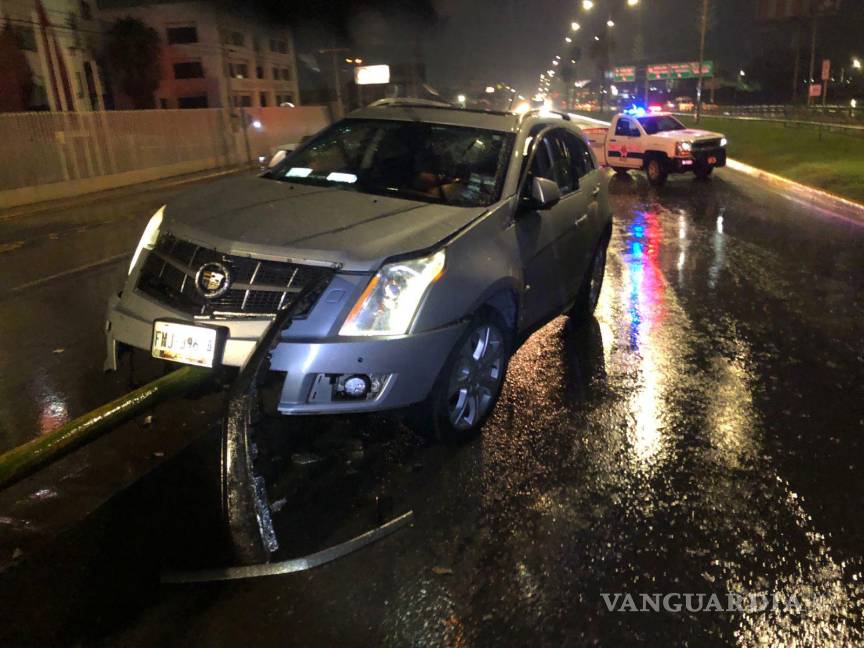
[(60, 41), (215, 58)]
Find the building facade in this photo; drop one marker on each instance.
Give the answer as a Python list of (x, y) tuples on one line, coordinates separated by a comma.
[(60, 41), (213, 58)]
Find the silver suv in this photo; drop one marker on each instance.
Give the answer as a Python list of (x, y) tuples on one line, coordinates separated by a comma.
[(438, 240)]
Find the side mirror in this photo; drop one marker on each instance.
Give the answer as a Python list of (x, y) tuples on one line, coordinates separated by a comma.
[(545, 193)]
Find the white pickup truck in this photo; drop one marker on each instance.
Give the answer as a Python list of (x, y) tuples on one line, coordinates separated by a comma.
[(657, 143)]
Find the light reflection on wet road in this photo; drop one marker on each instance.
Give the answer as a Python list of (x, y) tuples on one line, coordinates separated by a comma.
[(702, 435)]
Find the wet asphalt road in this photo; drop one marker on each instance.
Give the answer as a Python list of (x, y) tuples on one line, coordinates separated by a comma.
[(702, 435)]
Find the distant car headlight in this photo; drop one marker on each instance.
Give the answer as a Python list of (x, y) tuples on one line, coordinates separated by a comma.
[(723, 141), (390, 301), (149, 237), (683, 147)]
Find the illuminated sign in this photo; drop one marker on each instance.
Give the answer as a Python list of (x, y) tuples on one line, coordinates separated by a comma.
[(371, 74), (667, 71), (624, 74)]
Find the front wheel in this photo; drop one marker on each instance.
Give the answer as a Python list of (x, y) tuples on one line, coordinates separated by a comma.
[(656, 171), (469, 384), (703, 171)]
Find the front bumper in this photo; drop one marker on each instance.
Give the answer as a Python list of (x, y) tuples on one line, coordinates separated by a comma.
[(308, 352), (701, 157)]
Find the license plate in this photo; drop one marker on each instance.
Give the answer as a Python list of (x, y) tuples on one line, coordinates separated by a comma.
[(712, 160), (193, 345)]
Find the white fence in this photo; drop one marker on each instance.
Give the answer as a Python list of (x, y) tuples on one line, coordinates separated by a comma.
[(44, 156)]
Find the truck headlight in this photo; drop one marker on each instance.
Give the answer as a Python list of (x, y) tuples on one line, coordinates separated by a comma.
[(149, 237), (390, 301), (683, 148), (723, 141)]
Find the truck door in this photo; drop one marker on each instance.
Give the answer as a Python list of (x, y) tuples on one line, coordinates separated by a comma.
[(625, 148)]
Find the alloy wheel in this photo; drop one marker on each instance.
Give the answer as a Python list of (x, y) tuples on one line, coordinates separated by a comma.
[(476, 378)]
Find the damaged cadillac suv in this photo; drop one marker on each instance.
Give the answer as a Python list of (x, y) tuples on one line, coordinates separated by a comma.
[(438, 238)]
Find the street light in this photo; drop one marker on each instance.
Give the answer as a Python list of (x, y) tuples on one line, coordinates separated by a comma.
[(567, 39), (596, 38), (632, 3), (461, 98), (489, 89), (856, 63), (575, 26), (610, 23), (587, 5), (742, 73)]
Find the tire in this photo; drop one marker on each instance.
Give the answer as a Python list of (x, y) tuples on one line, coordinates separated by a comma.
[(703, 171), (620, 170), (656, 170), (589, 294), (470, 382)]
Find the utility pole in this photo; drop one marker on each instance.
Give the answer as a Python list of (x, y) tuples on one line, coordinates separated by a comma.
[(812, 59), (703, 30), (337, 80)]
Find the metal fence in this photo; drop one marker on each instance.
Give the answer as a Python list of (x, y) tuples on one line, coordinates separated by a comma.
[(44, 148)]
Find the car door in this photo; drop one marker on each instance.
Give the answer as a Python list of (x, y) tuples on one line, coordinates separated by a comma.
[(581, 237), (625, 148), (543, 236)]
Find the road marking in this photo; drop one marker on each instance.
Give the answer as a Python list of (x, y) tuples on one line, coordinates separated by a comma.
[(72, 271)]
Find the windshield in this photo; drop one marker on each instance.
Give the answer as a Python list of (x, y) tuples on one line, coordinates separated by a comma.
[(419, 161), (660, 123)]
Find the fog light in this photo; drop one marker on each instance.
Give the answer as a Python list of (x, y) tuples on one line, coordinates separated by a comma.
[(357, 386)]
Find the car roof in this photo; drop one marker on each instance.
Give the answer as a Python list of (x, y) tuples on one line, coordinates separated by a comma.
[(455, 116)]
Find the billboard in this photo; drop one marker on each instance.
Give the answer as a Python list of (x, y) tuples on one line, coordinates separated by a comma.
[(667, 71), (371, 74), (624, 74)]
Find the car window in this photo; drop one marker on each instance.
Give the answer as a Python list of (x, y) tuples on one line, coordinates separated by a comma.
[(583, 163), (660, 124), (415, 160), (561, 162)]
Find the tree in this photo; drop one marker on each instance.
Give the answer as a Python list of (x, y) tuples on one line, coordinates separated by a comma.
[(16, 81), (133, 52)]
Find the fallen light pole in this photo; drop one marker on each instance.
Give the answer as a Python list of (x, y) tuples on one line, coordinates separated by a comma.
[(23, 460)]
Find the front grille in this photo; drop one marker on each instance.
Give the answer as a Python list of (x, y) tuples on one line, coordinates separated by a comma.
[(259, 287), (705, 144)]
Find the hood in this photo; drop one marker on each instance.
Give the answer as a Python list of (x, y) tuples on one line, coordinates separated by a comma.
[(282, 221), (693, 134)]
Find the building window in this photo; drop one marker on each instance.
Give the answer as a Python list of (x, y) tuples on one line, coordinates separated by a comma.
[(286, 74), (263, 99), (24, 36), (86, 11), (188, 70), (180, 35), (259, 71), (235, 38), (241, 100), (278, 45), (238, 70), (199, 101), (163, 103), (276, 73)]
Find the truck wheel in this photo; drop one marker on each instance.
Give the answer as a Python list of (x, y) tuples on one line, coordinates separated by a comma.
[(469, 384), (656, 171), (703, 171)]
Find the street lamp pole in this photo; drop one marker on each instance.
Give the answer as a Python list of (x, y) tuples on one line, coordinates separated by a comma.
[(703, 30)]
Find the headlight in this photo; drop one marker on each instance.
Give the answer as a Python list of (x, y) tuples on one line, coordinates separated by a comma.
[(149, 237), (390, 301), (684, 147), (723, 141)]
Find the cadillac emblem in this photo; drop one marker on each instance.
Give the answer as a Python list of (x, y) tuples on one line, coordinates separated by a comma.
[(213, 280)]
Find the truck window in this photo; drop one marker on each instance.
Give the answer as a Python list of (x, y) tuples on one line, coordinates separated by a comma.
[(625, 128), (660, 124)]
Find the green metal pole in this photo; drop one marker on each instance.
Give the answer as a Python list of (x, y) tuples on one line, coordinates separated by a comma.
[(21, 461)]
